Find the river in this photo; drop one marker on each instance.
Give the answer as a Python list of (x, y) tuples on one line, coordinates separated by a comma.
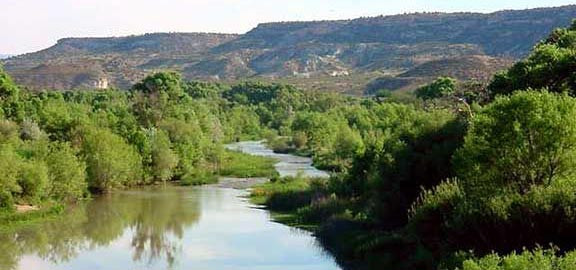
[(166, 227), (288, 165)]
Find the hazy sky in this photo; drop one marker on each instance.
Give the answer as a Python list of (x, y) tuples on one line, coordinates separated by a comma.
[(30, 25)]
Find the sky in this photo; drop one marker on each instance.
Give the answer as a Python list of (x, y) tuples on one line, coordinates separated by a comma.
[(31, 25)]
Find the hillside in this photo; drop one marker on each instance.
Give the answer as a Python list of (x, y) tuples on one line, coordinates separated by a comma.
[(473, 67), (117, 61), (311, 53)]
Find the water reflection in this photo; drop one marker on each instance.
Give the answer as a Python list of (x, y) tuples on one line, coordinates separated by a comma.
[(155, 220), (162, 228)]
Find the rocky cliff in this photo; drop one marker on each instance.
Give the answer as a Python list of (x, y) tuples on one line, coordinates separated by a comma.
[(411, 48)]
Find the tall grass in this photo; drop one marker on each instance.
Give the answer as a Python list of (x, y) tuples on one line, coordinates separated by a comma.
[(237, 164), (283, 194)]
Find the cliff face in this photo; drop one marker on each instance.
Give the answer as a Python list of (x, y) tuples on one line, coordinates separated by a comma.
[(389, 45)]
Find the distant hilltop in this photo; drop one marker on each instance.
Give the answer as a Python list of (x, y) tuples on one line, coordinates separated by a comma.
[(359, 55), (4, 56)]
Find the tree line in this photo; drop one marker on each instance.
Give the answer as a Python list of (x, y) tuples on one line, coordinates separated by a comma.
[(459, 175)]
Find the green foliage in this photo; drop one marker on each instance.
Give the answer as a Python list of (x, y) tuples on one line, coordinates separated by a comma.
[(111, 162), (66, 172), (29, 130), (348, 143), (255, 92), (164, 160), (59, 118), (408, 150), (517, 142), (204, 90), (9, 169), (322, 210), (515, 180), (9, 96), (383, 93), (243, 123), (550, 65), (537, 259), (161, 82), (198, 177), (33, 181), (439, 200), (284, 194), (441, 87), (34, 171), (389, 195), (237, 164)]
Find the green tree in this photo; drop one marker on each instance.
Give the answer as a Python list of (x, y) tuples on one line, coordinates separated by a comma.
[(551, 65), (9, 170), (519, 141), (162, 82), (111, 162), (164, 160), (155, 96), (254, 92), (9, 95), (348, 143), (66, 172), (33, 181), (441, 87), (243, 122)]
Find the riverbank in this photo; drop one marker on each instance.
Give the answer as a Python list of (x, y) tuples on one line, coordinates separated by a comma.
[(10, 220), (240, 183), (302, 200), (237, 170), (164, 227), (306, 203)]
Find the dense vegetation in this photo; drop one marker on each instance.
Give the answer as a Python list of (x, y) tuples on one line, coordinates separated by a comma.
[(58, 147), (457, 176), (469, 177)]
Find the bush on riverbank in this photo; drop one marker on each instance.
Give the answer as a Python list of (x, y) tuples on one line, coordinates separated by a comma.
[(545, 259), (293, 193), (200, 177), (283, 194), (10, 219), (237, 164)]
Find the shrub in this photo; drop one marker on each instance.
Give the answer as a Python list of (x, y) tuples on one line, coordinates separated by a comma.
[(66, 172), (519, 141), (284, 194), (441, 87), (198, 177), (33, 181), (9, 172), (537, 259), (441, 199), (238, 164), (322, 209), (502, 223), (111, 162), (164, 160), (29, 130)]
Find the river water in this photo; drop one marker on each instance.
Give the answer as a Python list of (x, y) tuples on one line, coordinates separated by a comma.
[(164, 227), (288, 165)]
